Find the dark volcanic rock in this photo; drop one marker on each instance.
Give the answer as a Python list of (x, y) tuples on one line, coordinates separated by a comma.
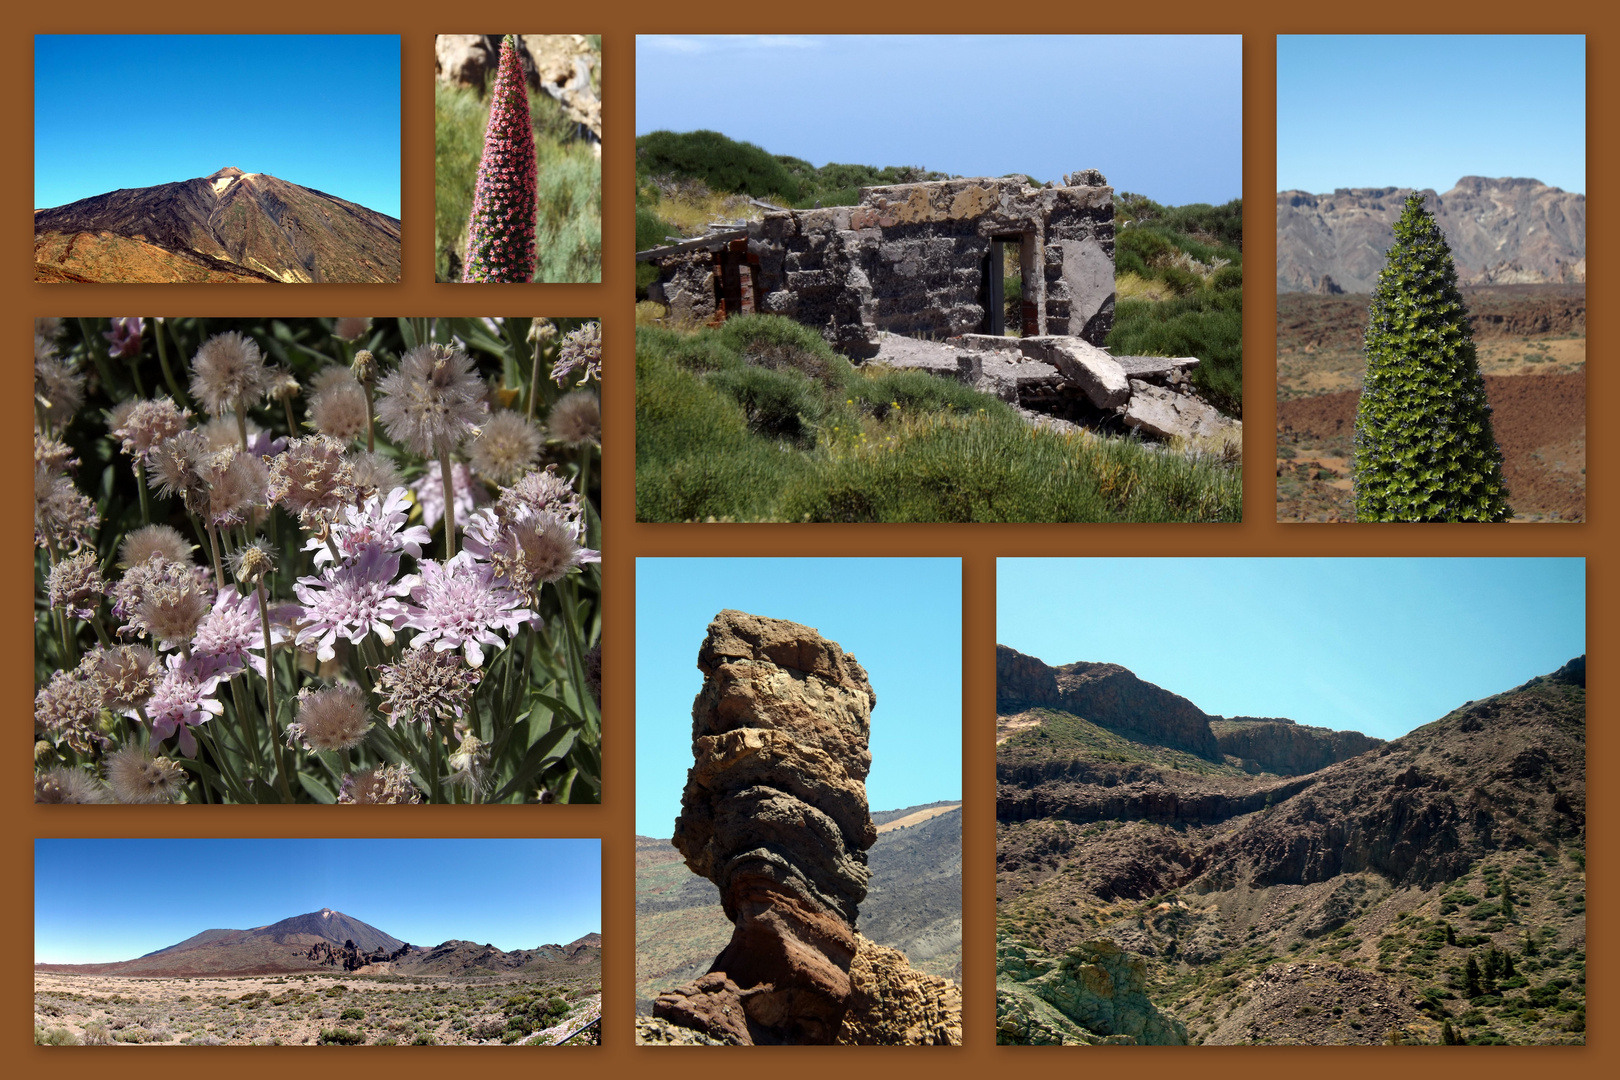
[(231, 226), (1286, 748), (1111, 697), (774, 813), (1023, 682)]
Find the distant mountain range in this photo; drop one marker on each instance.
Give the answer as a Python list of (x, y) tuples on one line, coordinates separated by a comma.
[(232, 226), (330, 939), (1501, 232), (913, 901)]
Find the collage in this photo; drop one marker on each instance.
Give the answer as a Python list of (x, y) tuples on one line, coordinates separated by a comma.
[(866, 607)]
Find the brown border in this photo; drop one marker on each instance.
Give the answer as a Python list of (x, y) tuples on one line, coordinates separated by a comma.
[(619, 20)]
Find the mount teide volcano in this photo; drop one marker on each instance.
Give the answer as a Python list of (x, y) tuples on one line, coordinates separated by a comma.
[(232, 226), (330, 939)]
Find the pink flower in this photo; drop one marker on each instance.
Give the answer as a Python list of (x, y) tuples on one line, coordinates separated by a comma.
[(184, 698), (458, 605), (231, 631), (352, 601), (429, 492), (380, 524), (124, 339)]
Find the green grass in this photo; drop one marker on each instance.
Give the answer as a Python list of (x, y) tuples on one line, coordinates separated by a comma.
[(1062, 733), (568, 233), (761, 421)]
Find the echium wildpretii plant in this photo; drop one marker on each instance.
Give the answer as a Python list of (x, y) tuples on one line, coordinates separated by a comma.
[(1424, 448), (500, 233), (254, 607)]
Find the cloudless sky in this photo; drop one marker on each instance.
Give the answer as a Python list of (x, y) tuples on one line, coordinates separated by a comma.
[(105, 900), (129, 111), (1379, 646), (1158, 115), (901, 618), (1425, 111)]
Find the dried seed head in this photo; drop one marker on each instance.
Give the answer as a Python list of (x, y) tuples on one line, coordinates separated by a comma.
[(160, 540), (364, 368), (64, 518), (539, 493), (126, 675), (432, 401), (229, 373), (350, 329), (340, 411), (58, 387), (60, 784), (390, 784), (283, 385), (75, 584), (372, 474), (144, 424), (332, 719), (137, 777), (68, 707), (542, 332), (506, 448), (311, 479), (238, 483), (170, 602), (252, 562), (426, 684), (53, 455), (581, 351), (576, 419)]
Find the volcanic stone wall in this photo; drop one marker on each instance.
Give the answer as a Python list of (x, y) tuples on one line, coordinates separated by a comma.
[(911, 259)]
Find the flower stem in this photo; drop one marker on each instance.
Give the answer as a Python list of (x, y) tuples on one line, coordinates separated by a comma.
[(219, 567), (163, 358), (448, 478), (371, 439), (270, 696), (146, 500), (534, 378)]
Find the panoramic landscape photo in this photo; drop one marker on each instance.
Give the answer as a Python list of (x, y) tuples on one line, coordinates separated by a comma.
[(774, 906), (1431, 308), (251, 586), (910, 318), (295, 943), (292, 178), (1355, 816)]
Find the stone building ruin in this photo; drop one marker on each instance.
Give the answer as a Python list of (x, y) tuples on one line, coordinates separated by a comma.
[(917, 260)]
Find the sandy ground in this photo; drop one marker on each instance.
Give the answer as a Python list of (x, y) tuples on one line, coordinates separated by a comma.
[(292, 1010)]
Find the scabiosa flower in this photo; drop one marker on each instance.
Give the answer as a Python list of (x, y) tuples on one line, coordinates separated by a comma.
[(542, 332), (373, 473), (237, 484), (432, 400), (231, 632), (506, 447), (538, 493), (429, 492), (458, 605), (529, 549), (64, 518), (60, 784), (229, 374), (340, 411), (390, 785), (426, 684), (350, 329), (135, 776), (167, 602), (351, 601), (581, 351), (312, 480), (124, 339), (126, 675), (380, 524), (469, 765), (58, 388), (576, 419), (67, 708), (145, 424), (75, 584), (164, 541), (330, 376), (52, 455), (184, 699), (335, 718), (500, 233)]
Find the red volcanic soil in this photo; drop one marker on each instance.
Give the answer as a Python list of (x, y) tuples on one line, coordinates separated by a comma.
[(1539, 420)]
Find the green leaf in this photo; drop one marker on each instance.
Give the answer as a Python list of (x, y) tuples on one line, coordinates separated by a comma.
[(317, 790)]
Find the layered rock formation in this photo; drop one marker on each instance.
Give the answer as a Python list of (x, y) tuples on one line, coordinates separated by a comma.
[(1099, 993), (775, 814), (1509, 231)]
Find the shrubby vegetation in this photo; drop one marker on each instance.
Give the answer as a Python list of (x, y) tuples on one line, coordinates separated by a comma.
[(759, 420)]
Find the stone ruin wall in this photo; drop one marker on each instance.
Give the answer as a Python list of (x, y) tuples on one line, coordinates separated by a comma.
[(910, 259)]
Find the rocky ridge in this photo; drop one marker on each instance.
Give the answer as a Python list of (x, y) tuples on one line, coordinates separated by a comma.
[(1508, 231), (1339, 906), (774, 813)]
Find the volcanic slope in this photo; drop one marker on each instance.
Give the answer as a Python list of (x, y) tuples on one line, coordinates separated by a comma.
[(232, 226), (913, 901), (330, 939), (1430, 889)]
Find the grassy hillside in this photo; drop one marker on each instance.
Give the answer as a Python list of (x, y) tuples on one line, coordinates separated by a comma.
[(759, 420)]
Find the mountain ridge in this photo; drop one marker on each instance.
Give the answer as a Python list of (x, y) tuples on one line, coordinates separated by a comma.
[(229, 226)]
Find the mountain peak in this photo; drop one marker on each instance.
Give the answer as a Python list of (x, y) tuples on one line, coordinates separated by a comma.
[(228, 171)]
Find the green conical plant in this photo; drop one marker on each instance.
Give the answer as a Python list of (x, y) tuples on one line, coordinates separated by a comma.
[(1425, 450)]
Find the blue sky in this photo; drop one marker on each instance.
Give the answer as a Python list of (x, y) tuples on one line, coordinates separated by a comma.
[(126, 111), (1425, 111), (1379, 646), (1159, 115), (902, 618), (105, 900)]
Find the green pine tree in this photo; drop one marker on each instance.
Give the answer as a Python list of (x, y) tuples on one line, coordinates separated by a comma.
[(1424, 446), (1448, 1034), (1471, 986)]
